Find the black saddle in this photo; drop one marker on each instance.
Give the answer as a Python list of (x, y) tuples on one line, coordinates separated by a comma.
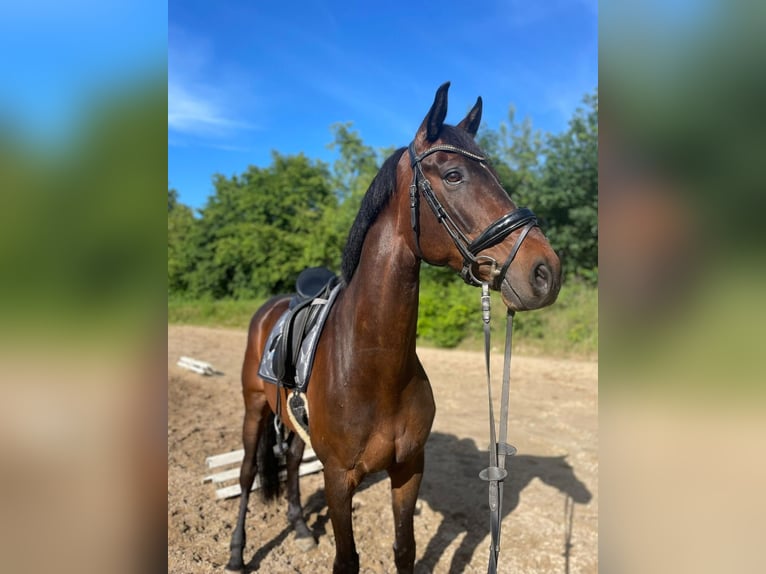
[(312, 283)]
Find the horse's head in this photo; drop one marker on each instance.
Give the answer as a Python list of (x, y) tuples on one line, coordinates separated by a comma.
[(557, 472), (470, 223)]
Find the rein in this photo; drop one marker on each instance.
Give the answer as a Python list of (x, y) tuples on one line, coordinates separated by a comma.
[(521, 218), (496, 473)]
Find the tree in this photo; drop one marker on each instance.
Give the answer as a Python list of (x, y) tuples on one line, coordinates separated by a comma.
[(253, 233), (516, 152), (557, 177), (180, 227), (352, 174), (567, 200)]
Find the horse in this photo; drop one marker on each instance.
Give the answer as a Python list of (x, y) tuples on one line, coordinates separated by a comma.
[(369, 397)]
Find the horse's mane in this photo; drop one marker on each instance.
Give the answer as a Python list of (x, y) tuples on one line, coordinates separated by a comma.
[(380, 191)]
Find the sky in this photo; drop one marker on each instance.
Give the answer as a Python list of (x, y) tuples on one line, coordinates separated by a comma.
[(246, 77)]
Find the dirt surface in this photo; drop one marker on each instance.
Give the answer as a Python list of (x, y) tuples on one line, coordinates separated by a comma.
[(550, 510)]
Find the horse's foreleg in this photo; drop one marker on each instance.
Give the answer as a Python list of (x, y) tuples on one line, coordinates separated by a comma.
[(294, 508), (255, 417), (405, 484), (339, 488)]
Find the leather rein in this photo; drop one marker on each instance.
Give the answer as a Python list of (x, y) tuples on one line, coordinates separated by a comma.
[(496, 232)]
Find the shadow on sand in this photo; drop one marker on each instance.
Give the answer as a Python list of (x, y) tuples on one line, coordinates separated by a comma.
[(452, 488)]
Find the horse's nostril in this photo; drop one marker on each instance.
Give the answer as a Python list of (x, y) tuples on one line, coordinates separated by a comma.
[(541, 277)]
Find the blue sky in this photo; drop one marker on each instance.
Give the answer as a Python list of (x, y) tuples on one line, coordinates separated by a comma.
[(248, 77)]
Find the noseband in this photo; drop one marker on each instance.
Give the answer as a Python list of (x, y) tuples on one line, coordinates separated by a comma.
[(521, 218)]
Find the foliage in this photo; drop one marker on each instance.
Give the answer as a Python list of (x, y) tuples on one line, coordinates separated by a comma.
[(180, 227), (250, 238), (352, 174), (568, 196), (446, 307), (515, 150), (557, 176), (567, 328)]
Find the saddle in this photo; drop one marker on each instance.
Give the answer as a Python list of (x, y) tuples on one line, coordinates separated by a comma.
[(287, 345), (291, 345)]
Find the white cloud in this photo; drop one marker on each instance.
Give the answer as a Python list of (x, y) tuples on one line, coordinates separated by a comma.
[(201, 101), (198, 113)]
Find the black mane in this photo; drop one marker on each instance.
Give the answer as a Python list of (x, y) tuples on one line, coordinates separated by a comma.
[(380, 191)]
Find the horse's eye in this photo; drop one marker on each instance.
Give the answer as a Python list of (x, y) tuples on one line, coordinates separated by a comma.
[(453, 177)]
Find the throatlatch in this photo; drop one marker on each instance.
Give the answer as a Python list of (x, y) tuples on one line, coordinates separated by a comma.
[(499, 449)]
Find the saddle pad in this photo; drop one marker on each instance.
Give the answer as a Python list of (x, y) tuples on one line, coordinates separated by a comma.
[(305, 360)]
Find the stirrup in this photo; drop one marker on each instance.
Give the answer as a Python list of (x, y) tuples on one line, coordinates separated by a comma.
[(281, 447)]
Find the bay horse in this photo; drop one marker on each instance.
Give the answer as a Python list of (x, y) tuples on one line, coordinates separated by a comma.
[(369, 397)]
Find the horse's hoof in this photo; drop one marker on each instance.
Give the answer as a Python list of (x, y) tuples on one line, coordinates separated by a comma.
[(306, 543)]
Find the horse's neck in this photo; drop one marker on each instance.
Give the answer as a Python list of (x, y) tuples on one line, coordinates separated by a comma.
[(383, 294)]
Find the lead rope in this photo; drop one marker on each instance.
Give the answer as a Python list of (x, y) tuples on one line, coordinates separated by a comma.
[(495, 473)]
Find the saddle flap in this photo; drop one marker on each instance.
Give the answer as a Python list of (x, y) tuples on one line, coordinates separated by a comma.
[(289, 350)]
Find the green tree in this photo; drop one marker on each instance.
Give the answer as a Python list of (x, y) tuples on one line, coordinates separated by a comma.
[(447, 306), (567, 200), (516, 151), (557, 177), (352, 174), (180, 228), (253, 234)]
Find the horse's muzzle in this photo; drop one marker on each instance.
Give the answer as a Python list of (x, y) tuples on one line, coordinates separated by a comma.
[(532, 288)]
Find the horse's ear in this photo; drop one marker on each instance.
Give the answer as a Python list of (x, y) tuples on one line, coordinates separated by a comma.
[(434, 120), (471, 122)]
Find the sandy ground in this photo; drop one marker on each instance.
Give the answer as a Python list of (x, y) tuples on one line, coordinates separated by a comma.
[(550, 510)]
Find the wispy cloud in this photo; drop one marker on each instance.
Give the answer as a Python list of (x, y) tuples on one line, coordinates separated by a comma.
[(199, 113), (201, 103)]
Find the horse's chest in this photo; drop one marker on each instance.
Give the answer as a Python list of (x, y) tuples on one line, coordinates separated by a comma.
[(372, 431), (384, 449), (405, 434)]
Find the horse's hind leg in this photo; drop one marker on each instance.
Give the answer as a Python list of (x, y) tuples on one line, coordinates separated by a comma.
[(256, 416), (405, 484), (294, 509)]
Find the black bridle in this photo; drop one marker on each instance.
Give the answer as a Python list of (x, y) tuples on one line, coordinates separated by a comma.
[(521, 218)]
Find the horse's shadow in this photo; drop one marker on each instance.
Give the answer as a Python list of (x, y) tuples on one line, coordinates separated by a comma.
[(452, 488), (315, 505)]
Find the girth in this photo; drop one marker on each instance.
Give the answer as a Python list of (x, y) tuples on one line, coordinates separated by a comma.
[(521, 218)]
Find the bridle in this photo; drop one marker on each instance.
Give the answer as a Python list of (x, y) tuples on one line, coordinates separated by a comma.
[(520, 218)]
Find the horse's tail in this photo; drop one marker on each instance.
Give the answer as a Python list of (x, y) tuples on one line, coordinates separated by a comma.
[(268, 465)]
